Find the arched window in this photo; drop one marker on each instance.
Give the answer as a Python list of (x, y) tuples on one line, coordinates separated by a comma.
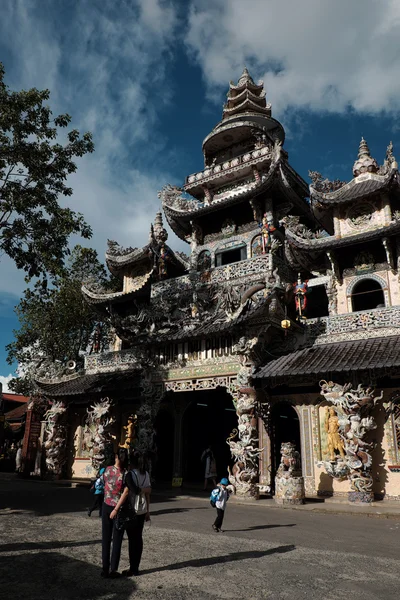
[(366, 295), (204, 261), (256, 246)]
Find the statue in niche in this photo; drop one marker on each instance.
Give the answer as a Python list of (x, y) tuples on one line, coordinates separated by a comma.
[(364, 260), (130, 432), (204, 261), (267, 229), (335, 441), (228, 227)]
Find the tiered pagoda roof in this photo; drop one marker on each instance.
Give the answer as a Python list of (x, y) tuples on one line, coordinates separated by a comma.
[(138, 264), (369, 179), (246, 96)]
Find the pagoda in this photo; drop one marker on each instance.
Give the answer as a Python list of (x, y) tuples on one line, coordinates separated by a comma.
[(285, 285)]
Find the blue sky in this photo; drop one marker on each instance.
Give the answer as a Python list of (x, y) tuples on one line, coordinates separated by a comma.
[(148, 78)]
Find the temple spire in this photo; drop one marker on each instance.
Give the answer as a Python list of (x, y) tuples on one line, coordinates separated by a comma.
[(246, 97), (364, 163), (245, 78), (159, 232)]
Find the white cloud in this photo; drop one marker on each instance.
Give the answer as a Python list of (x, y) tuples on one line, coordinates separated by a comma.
[(107, 68), (313, 54), (4, 381)]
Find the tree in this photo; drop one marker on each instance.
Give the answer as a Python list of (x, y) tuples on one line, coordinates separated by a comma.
[(34, 166), (56, 323)]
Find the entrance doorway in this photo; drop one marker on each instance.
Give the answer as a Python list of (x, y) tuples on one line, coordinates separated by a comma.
[(208, 420), (164, 428), (285, 428)]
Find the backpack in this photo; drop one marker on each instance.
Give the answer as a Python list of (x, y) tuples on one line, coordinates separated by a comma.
[(214, 497), (99, 484)]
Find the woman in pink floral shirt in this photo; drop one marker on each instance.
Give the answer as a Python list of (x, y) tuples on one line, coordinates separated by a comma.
[(113, 484)]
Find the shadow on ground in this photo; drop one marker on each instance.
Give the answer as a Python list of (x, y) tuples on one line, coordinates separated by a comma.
[(45, 498), (226, 558), (19, 547), (50, 576), (257, 527)]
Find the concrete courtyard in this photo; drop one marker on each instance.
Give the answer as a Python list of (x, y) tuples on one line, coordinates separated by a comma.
[(51, 550)]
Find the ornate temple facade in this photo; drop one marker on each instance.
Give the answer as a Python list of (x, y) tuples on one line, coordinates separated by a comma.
[(277, 328)]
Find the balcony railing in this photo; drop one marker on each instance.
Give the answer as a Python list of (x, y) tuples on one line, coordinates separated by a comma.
[(378, 320), (228, 165)]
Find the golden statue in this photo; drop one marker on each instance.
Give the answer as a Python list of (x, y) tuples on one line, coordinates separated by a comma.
[(335, 442), (130, 432)]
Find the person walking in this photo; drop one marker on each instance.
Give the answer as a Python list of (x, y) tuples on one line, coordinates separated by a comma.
[(210, 467), (221, 498), (137, 492), (98, 493), (113, 485)]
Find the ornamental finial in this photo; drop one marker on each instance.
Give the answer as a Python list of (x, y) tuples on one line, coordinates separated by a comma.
[(364, 163), (160, 234), (245, 78)]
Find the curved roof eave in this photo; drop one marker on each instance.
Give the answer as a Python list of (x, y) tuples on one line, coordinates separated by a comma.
[(326, 243), (361, 186)]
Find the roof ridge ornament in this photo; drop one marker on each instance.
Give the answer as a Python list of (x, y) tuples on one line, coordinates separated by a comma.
[(159, 231), (364, 163), (245, 78)]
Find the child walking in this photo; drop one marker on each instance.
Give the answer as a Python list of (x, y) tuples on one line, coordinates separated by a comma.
[(221, 496)]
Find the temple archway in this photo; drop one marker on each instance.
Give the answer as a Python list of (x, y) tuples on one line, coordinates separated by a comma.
[(285, 427), (209, 419)]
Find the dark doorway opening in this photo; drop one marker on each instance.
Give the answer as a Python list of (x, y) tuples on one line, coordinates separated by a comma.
[(209, 419), (367, 295), (230, 256), (164, 428), (317, 302), (285, 428)]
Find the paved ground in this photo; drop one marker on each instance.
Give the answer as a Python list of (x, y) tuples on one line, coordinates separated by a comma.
[(50, 550)]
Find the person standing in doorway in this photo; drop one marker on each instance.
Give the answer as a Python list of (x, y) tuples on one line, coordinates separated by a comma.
[(210, 467), (220, 503), (113, 485)]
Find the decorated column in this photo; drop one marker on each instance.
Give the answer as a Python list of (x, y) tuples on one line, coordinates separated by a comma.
[(55, 444), (147, 412), (244, 446), (347, 423), (97, 435)]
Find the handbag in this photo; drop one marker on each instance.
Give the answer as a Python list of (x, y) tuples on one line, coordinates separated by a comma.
[(126, 516)]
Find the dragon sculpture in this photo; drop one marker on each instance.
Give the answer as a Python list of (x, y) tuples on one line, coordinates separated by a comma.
[(353, 408), (244, 445), (55, 437), (97, 431)]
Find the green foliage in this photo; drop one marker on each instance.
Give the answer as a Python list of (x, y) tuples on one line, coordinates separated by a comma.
[(34, 166), (57, 324)]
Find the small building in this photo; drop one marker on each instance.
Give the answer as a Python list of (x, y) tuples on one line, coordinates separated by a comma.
[(289, 290)]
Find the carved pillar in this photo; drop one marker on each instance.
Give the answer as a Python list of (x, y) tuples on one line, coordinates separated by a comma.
[(244, 441), (56, 438), (150, 403)]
